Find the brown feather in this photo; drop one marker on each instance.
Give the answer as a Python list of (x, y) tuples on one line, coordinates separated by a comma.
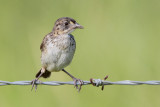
[(46, 74)]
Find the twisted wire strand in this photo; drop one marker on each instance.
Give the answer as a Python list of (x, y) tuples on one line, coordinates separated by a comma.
[(97, 82)]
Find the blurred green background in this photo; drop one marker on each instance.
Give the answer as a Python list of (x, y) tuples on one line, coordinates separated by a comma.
[(121, 39)]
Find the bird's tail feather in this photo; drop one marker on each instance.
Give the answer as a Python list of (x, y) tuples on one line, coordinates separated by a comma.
[(46, 74)]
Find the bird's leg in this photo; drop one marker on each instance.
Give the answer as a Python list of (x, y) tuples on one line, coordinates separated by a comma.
[(35, 80), (75, 80)]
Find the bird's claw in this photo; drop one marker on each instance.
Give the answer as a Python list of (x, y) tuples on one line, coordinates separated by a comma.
[(34, 84), (76, 85)]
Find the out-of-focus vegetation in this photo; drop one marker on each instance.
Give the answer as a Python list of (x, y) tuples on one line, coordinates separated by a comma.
[(121, 38)]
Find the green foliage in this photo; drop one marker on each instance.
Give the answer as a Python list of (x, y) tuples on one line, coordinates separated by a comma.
[(120, 39)]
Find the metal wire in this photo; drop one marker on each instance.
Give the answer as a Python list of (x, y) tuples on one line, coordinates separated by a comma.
[(96, 82)]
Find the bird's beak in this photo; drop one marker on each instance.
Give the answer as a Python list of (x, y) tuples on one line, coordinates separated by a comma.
[(78, 26)]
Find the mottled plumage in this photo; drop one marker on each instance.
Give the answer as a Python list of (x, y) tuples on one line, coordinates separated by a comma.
[(58, 48), (57, 51)]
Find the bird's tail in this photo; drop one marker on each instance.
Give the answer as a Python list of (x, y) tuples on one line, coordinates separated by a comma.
[(46, 74)]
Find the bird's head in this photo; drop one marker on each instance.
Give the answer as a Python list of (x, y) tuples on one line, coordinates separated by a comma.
[(65, 25)]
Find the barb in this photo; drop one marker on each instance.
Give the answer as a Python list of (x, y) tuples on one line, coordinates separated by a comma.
[(97, 82)]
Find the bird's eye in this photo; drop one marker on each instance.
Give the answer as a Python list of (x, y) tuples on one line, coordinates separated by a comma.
[(66, 23)]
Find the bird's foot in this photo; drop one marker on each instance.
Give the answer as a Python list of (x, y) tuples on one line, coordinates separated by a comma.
[(34, 84), (76, 85)]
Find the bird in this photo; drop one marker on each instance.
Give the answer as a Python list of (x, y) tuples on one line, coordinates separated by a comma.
[(57, 50)]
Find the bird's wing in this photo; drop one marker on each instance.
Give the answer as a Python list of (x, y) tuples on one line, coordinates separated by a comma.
[(45, 40)]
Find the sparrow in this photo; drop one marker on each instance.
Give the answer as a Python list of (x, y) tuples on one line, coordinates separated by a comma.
[(57, 50)]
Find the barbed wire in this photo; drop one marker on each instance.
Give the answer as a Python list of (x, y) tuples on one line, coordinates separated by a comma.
[(96, 82)]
